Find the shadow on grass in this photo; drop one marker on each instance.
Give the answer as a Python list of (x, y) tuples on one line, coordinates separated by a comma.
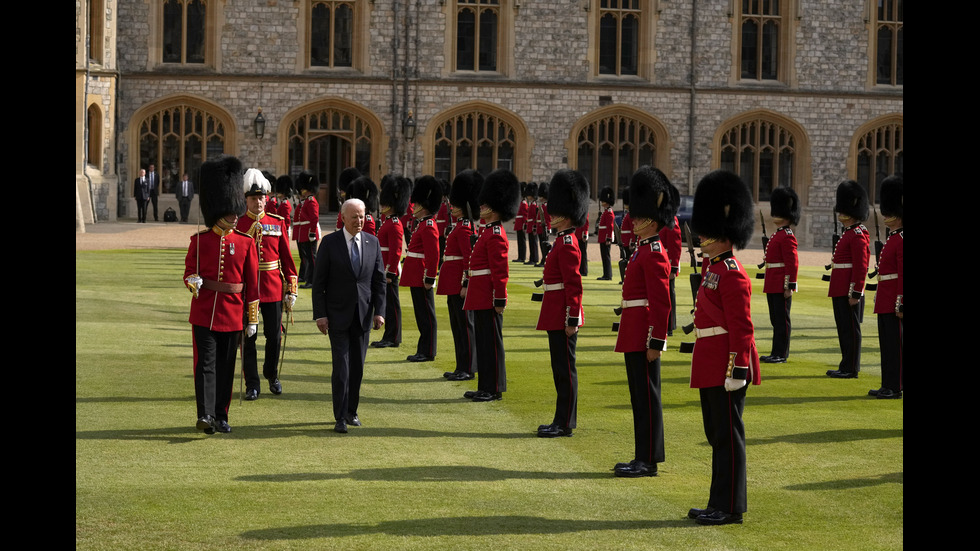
[(829, 436), (890, 478), (430, 473), (460, 526)]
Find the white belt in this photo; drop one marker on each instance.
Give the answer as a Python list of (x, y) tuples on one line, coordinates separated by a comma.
[(710, 331), (384, 249), (886, 277), (448, 258), (474, 273), (554, 286), (602, 227), (848, 265), (416, 255), (635, 302), (626, 231), (775, 264)]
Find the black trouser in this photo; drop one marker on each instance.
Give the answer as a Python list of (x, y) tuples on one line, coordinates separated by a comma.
[(721, 412), (779, 307), (141, 209), (423, 302), (272, 330), (566, 377), (890, 340), (605, 253), (648, 417), (848, 319), (545, 246), (464, 334), (347, 350), (307, 254), (393, 313), (521, 245), (532, 243), (490, 350), (185, 208), (672, 321), (153, 199), (583, 246), (214, 370)]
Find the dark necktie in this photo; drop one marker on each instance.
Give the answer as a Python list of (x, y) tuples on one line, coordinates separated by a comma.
[(355, 257)]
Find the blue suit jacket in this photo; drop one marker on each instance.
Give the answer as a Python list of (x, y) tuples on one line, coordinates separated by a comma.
[(339, 293)]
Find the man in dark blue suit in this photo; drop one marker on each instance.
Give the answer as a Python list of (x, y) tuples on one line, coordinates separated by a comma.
[(348, 299)]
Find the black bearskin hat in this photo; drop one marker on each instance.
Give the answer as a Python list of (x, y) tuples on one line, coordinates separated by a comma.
[(606, 196), (652, 196), (427, 194), (530, 190), (465, 193), (307, 181), (543, 191), (255, 183), (221, 188), (364, 188), (785, 203), (722, 208), (852, 200), (395, 193), (893, 196), (569, 196), (626, 197), (347, 176), (502, 193), (284, 185)]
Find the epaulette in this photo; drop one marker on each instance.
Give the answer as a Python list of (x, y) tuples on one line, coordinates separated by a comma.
[(496, 230), (429, 222), (860, 228), (568, 239), (204, 231), (788, 230), (466, 222), (731, 263), (274, 215), (655, 246), (242, 233)]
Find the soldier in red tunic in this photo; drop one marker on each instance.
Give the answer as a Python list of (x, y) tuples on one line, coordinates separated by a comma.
[(850, 268), (277, 283), (626, 238), (606, 231), (582, 233), (422, 265), (670, 239), (890, 297), (394, 200), (459, 244), (782, 265), (531, 224), (284, 190), (561, 307), (544, 223), (221, 271), (307, 226), (725, 357), (519, 222), (485, 289), (645, 308)]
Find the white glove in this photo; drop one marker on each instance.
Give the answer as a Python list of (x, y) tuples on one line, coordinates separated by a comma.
[(290, 301), (253, 328), (733, 384), (194, 283)]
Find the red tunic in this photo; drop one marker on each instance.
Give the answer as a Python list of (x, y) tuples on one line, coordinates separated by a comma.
[(443, 218), (722, 307), (408, 219), (544, 222), (458, 250), (607, 225), (670, 239), (890, 298), (643, 326), (531, 225), (422, 264), (370, 226), (626, 231), (307, 226), (850, 263), (489, 270), (224, 257), (583, 230), (562, 307), (782, 262), (286, 211), (275, 261), (519, 220), (391, 236)]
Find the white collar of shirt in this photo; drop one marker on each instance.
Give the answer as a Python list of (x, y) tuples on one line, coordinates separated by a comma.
[(357, 239)]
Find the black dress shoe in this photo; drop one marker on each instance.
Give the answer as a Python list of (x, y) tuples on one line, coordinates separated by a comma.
[(206, 424), (251, 394), (717, 518), (637, 469), (469, 394), (222, 426), (340, 427), (353, 420), (695, 512), (461, 376), (420, 358), (306, 286), (874, 392), (484, 396), (842, 375), (554, 431), (772, 359), (603, 278), (275, 387), (889, 394), (449, 374), (521, 260), (378, 344)]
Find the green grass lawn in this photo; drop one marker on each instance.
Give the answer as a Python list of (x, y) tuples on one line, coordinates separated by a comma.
[(429, 470)]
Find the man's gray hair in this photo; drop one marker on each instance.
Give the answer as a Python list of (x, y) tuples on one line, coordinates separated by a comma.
[(353, 202)]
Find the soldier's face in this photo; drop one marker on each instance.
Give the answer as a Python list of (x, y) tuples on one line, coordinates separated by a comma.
[(256, 203)]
